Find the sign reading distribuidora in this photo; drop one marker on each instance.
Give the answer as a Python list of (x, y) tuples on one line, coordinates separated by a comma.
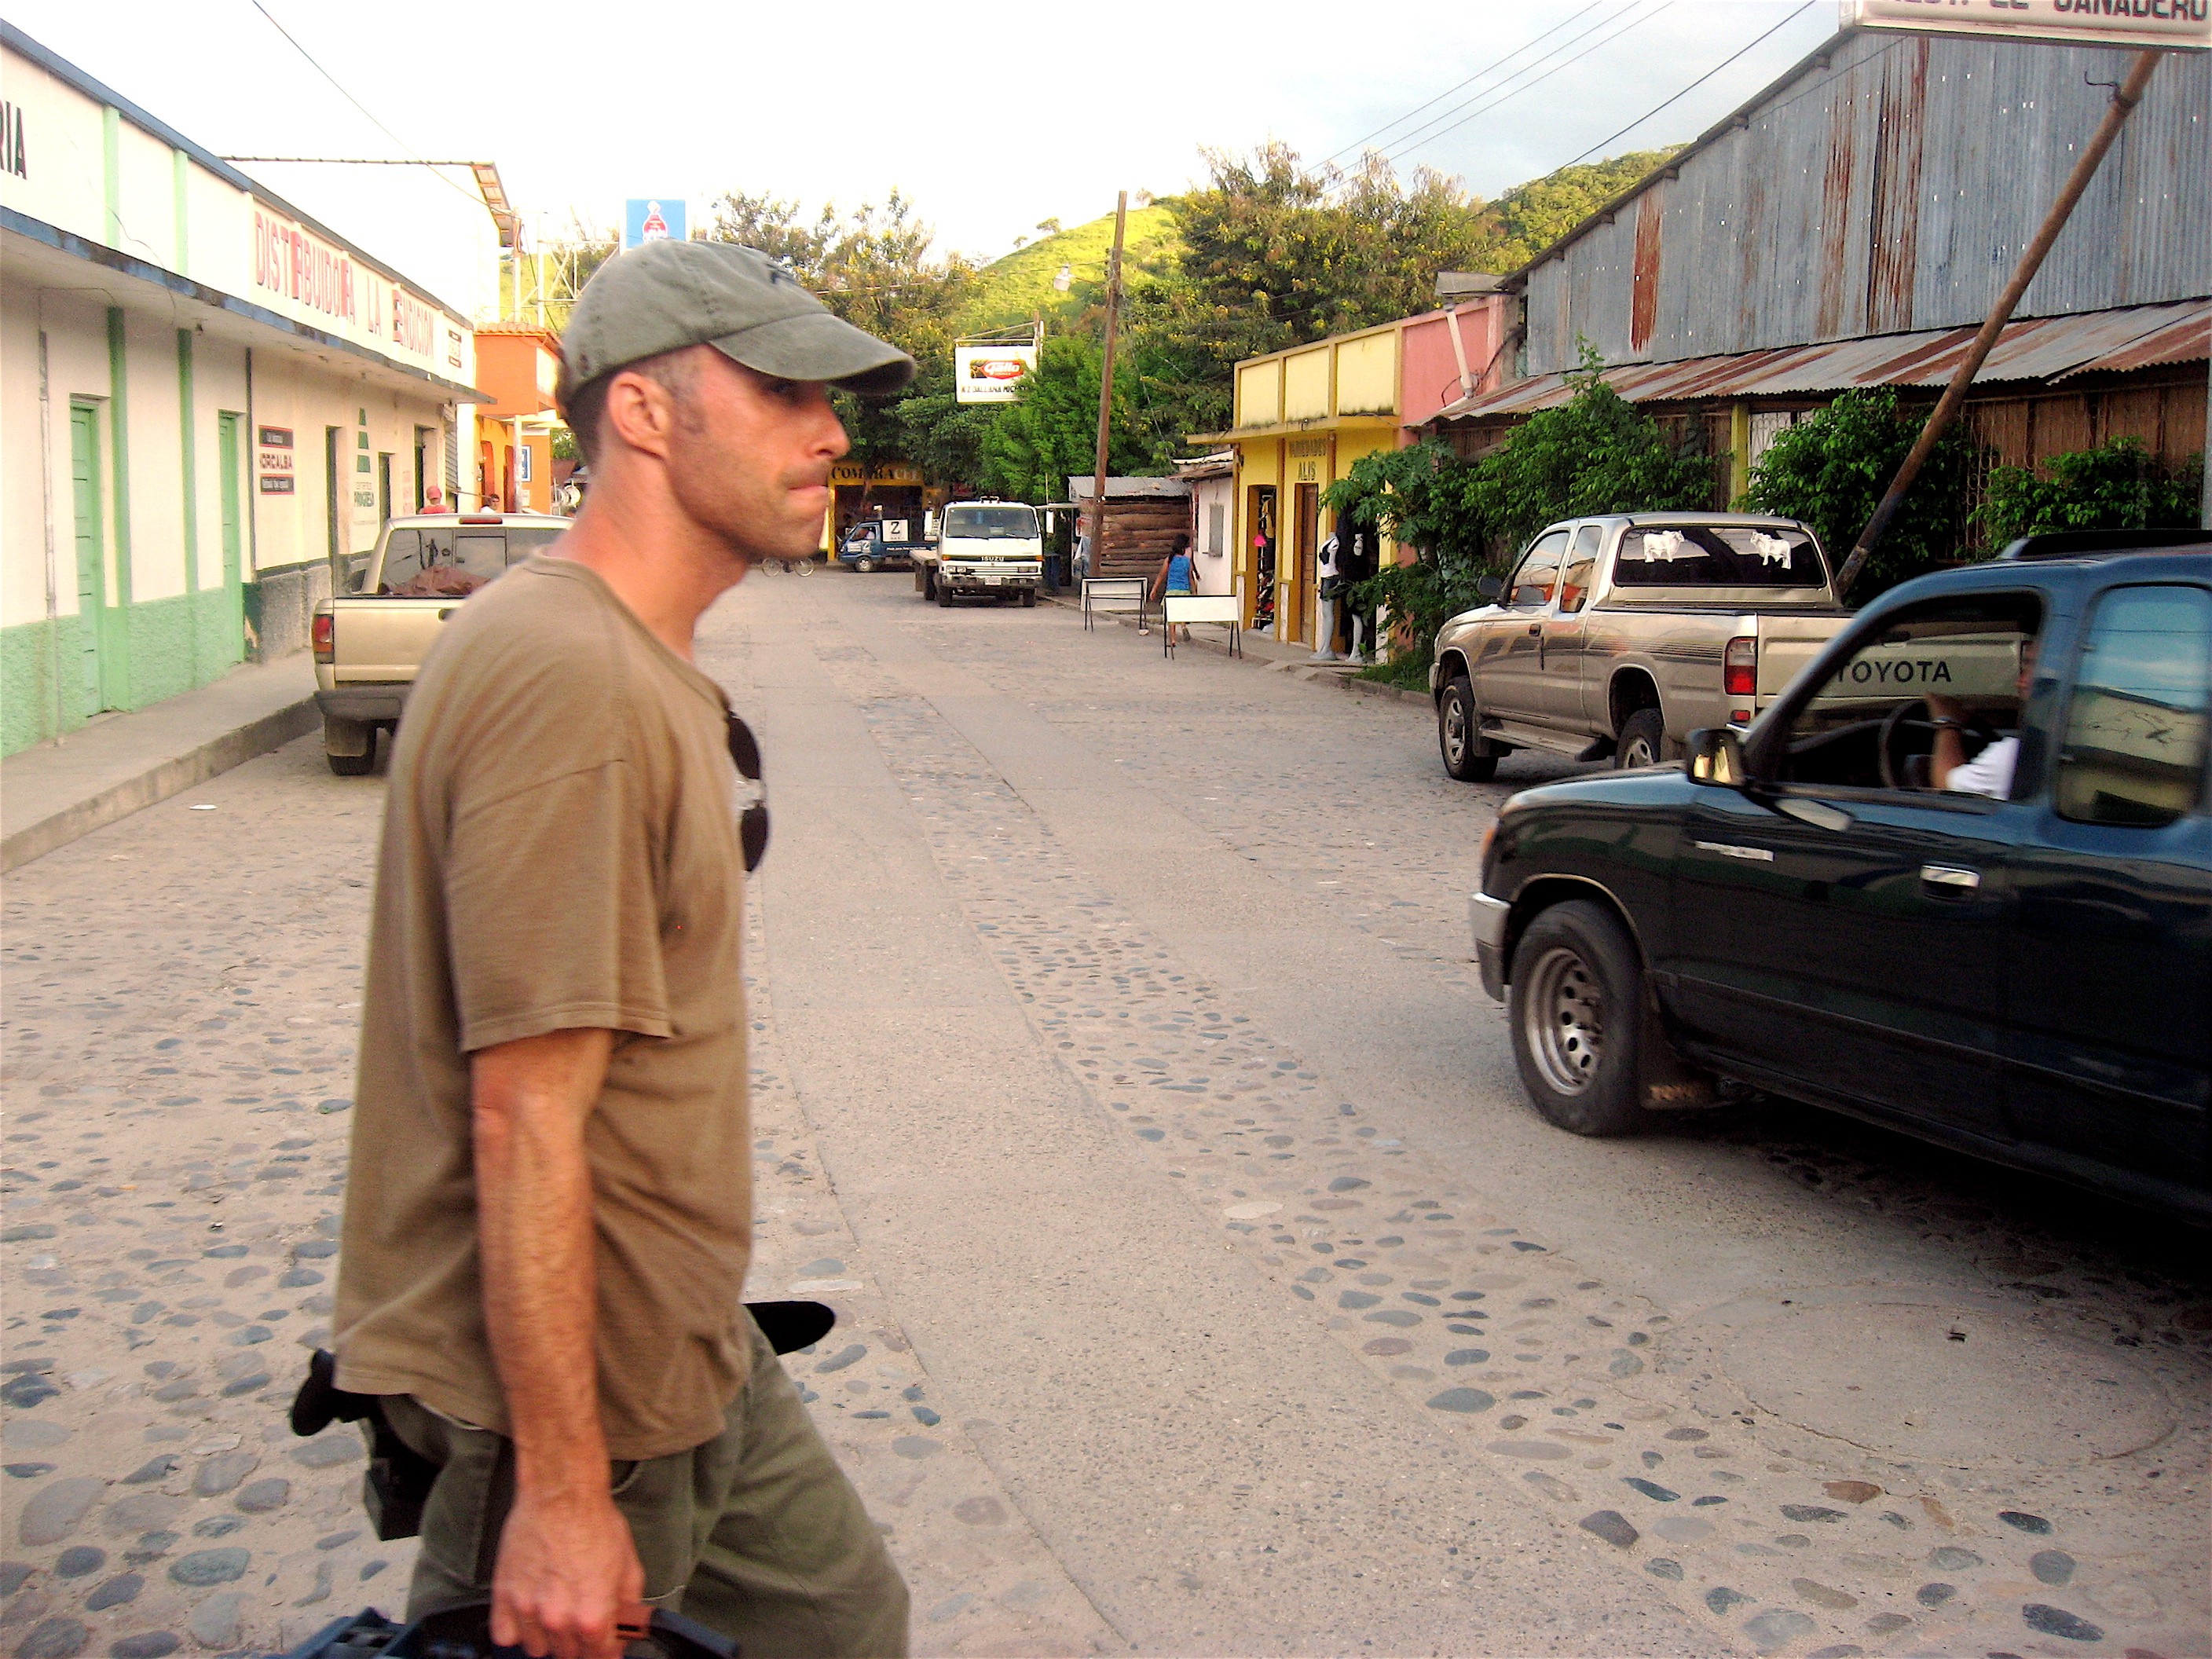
[(2170, 25)]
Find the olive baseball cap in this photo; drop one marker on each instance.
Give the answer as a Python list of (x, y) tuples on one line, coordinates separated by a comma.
[(668, 295)]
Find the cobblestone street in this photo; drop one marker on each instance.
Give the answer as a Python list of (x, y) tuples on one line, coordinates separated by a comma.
[(1204, 1283)]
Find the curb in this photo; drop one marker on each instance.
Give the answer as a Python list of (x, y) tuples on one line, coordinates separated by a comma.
[(1357, 687), (159, 781)]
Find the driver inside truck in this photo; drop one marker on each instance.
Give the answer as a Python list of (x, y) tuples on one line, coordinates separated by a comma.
[(1990, 771)]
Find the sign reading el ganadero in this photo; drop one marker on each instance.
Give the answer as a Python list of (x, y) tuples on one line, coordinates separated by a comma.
[(2168, 25)]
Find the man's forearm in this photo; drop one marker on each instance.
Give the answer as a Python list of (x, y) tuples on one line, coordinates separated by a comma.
[(531, 1100)]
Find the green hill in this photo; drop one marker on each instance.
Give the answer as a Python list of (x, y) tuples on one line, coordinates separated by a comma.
[(1019, 287)]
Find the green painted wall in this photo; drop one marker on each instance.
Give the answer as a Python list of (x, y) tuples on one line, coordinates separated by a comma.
[(174, 645)]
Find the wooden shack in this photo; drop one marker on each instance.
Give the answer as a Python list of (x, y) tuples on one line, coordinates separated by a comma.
[(1143, 517)]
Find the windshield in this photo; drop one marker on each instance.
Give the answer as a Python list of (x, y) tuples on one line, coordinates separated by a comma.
[(992, 524), (465, 557), (1717, 556)]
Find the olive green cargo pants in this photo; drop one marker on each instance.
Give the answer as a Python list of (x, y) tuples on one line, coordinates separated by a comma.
[(757, 1534)]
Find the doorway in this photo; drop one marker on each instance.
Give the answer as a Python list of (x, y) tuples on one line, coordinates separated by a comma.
[(1307, 506), (230, 448), (81, 690), (421, 465), (383, 490), (1260, 514), (333, 508)]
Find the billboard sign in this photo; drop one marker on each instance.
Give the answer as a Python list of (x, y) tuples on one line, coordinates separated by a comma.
[(2171, 25), (653, 219), (992, 373)]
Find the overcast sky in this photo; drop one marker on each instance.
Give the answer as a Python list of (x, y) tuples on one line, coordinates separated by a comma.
[(991, 116)]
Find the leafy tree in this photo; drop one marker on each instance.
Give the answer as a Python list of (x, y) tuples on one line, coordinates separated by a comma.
[(1032, 447), (2115, 486), (1830, 470), (1528, 218), (1595, 453)]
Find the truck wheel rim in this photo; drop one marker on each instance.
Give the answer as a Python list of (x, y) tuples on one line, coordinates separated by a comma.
[(1563, 1017), (1637, 753), (1454, 730)]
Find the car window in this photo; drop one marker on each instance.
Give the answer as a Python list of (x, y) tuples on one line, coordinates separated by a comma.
[(476, 553), (1582, 560), (1010, 523), (2134, 749), (1969, 649), (1717, 556), (1539, 572)]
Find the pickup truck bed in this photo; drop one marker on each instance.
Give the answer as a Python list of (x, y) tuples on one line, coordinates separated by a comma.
[(368, 644)]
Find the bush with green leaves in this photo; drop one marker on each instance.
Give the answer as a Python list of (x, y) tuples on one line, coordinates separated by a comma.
[(1596, 453), (2118, 485), (1830, 470)]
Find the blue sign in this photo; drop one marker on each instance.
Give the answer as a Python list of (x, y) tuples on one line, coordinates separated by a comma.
[(649, 219)]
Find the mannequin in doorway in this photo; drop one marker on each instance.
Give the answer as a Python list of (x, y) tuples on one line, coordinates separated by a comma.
[(1327, 568), (1355, 564)]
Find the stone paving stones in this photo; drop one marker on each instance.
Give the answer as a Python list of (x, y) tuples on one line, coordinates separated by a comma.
[(1208, 1091)]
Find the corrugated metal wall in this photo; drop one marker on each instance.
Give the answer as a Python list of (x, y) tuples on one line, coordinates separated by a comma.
[(1894, 190)]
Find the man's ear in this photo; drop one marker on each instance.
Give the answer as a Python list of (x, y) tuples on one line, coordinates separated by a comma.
[(640, 412)]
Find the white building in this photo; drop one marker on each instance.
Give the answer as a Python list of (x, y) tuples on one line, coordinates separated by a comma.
[(207, 399)]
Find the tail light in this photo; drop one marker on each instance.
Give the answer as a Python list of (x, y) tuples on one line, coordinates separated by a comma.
[(325, 638), (1739, 667)]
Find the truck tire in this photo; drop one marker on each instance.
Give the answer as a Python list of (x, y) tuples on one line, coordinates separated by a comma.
[(1576, 1012), (866, 567), (1028, 599), (1643, 740), (1467, 755), (339, 735), (944, 594)]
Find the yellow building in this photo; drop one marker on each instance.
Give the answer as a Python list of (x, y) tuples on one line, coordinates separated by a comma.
[(1302, 416)]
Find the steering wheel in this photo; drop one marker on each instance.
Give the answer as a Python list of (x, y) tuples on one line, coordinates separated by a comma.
[(1886, 746)]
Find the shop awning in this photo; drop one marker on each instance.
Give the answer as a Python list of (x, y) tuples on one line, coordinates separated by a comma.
[(2031, 349)]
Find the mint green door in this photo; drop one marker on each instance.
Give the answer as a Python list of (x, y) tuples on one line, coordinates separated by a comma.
[(81, 682), (230, 447)]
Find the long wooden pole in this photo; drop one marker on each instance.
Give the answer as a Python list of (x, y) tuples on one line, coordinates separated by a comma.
[(1946, 408), (1106, 382)]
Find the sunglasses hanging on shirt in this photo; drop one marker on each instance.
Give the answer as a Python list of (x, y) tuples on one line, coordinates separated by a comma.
[(752, 813)]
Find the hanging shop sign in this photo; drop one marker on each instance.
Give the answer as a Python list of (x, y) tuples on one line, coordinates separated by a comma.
[(2171, 25), (273, 448), (992, 373)]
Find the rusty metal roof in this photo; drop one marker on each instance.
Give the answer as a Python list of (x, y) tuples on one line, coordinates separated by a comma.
[(2033, 349)]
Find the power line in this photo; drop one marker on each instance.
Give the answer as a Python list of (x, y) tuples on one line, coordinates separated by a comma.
[(1353, 149), (1693, 85), (1527, 85), (364, 108)]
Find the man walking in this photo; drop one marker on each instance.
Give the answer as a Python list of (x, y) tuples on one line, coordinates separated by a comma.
[(549, 1216)]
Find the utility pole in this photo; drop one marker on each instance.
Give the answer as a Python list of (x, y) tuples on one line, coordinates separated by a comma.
[(2124, 100), (1106, 382)]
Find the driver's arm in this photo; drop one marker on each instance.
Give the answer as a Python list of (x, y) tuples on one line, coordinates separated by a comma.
[(1949, 753)]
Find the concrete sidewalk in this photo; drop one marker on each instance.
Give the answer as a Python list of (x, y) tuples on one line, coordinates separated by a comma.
[(51, 794)]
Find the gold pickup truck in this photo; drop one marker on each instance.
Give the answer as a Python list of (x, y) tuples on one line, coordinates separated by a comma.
[(369, 641), (1619, 636)]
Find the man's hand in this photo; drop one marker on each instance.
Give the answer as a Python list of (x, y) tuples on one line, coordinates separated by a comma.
[(568, 1565), (568, 1573)]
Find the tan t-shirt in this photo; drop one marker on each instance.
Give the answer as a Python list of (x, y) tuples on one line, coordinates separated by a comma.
[(560, 851)]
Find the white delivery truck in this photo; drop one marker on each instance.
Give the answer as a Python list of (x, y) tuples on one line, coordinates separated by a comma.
[(990, 549)]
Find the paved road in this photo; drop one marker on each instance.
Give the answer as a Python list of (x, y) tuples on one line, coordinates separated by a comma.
[(1206, 1285)]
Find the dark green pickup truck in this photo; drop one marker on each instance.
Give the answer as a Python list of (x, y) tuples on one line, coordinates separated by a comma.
[(1956, 879)]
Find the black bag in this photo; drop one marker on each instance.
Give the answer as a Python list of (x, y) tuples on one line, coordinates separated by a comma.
[(466, 1633), (399, 1477)]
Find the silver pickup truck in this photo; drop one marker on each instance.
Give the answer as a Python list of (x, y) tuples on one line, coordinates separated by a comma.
[(1621, 635), (369, 642)]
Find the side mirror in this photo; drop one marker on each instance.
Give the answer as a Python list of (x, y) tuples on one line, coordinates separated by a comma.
[(1715, 755), (1489, 586)]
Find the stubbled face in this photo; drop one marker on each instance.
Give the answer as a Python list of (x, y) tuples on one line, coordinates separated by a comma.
[(749, 458)]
